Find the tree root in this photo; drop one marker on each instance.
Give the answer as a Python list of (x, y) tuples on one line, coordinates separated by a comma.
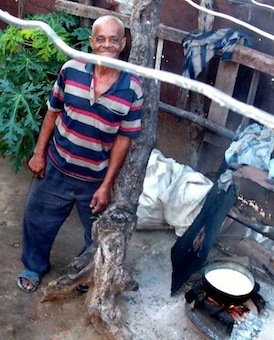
[(80, 271)]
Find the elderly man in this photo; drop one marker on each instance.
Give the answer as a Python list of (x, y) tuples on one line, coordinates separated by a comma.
[(93, 111)]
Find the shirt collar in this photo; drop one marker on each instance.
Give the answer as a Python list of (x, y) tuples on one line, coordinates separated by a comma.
[(90, 68), (124, 79)]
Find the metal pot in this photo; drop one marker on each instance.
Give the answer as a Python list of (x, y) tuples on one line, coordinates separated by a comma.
[(229, 282)]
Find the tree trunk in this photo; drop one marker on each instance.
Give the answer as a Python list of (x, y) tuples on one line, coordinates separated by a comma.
[(102, 265)]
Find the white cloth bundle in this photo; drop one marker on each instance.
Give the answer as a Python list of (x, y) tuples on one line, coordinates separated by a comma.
[(173, 193)]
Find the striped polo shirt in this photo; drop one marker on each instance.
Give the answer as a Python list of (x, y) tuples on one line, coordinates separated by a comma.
[(85, 128)]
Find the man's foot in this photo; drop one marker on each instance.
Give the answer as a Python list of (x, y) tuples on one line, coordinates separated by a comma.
[(28, 281), (82, 288)]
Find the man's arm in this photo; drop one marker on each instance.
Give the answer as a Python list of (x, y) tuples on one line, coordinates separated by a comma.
[(37, 163), (118, 153)]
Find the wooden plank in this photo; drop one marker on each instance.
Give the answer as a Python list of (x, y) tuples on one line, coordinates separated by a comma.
[(225, 81), (92, 12), (158, 59), (251, 95), (253, 87), (159, 53), (205, 20), (86, 22), (197, 119), (258, 255), (254, 59), (173, 34)]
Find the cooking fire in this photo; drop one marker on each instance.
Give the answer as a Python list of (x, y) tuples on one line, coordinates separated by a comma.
[(237, 313)]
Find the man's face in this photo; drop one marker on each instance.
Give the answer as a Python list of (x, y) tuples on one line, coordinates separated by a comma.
[(108, 39)]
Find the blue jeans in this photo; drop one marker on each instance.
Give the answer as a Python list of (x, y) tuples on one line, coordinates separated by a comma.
[(49, 203)]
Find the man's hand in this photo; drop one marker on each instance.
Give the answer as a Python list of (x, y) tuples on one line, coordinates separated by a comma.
[(100, 199), (37, 165)]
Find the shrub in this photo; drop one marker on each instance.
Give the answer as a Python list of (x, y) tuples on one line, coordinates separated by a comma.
[(29, 63)]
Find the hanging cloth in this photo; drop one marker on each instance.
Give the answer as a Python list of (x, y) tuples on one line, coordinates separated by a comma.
[(201, 49)]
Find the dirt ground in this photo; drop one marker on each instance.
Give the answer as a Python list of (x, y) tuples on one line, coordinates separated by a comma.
[(150, 313)]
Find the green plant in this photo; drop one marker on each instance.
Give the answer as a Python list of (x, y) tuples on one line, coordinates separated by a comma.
[(29, 63)]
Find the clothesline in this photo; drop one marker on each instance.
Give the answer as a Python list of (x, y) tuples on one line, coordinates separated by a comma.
[(209, 91), (230, 18)]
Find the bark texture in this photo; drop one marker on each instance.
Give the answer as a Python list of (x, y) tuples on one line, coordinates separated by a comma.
[(102, 265)]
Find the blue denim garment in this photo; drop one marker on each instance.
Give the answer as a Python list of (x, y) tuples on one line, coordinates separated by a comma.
[(49, 203)]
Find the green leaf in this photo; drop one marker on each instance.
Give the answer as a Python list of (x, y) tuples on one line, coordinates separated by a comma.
[(26, 66), (29, 64), (81, 34), (10, 40)]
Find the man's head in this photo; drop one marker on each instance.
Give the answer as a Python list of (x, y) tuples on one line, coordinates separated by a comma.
[(108, 36)]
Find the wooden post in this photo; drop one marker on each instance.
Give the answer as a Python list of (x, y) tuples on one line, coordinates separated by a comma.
[(85, 22), (205, 20), (196, 101)]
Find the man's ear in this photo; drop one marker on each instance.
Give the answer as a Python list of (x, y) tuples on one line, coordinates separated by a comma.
[(91, 42), (123, 43)]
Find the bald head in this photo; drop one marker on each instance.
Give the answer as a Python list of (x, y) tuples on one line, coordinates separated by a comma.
[(108, 36), (106, 19)]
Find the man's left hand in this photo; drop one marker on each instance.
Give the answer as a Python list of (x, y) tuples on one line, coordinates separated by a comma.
[(100, 200)]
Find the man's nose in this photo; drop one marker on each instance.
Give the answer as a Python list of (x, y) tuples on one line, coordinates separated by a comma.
[(107, 42)]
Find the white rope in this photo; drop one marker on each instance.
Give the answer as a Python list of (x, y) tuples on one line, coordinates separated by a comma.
[(262, 5), (209, 91), (230, 18)]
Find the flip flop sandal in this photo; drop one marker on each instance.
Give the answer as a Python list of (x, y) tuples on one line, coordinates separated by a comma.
[(32, 277), (82, 288)]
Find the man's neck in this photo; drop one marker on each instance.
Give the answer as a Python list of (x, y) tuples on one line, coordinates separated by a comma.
[(103, 71)]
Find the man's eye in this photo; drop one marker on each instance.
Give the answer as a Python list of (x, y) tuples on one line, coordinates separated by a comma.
[(113, 40), (99, 40)]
